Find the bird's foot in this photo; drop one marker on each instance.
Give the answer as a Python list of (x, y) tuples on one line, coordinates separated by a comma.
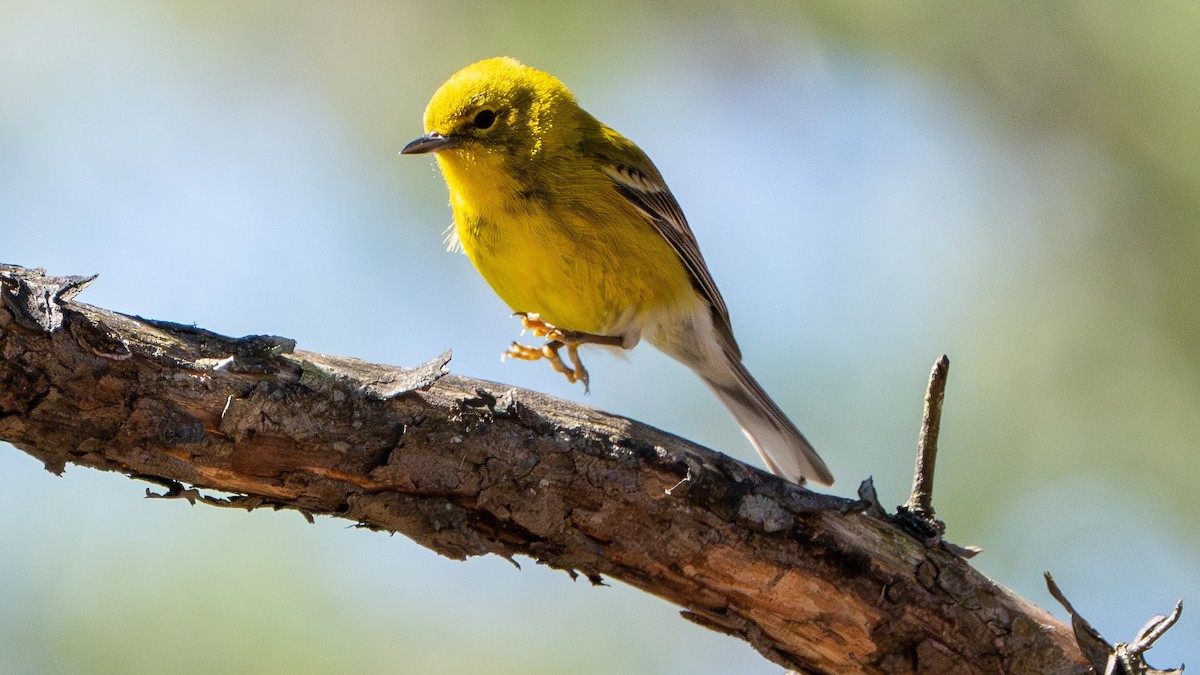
[(533, 323), (549, 351), (558, 338)]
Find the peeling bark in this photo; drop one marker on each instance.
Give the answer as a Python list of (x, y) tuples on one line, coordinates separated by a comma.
[(467, 467)]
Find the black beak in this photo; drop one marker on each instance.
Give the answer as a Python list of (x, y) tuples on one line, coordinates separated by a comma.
[(430, 142)]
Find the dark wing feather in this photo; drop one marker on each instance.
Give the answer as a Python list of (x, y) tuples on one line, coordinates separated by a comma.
[(647, 191)]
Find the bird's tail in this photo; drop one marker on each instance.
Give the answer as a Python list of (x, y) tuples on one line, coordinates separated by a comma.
[(777, 440)]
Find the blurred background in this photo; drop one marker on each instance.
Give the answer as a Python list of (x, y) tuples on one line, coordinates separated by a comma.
[(873, 184)]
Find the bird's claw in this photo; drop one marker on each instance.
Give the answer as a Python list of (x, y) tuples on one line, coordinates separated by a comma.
[(557, 338), (549, 351), (533, 323)]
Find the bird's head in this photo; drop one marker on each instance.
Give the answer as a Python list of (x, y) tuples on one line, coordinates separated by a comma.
[(498, 110)]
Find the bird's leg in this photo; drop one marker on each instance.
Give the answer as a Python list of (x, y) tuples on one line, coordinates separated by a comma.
[(540, 328), (559, 338)]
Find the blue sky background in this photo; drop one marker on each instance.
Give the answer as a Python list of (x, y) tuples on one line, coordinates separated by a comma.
[(873, 184)]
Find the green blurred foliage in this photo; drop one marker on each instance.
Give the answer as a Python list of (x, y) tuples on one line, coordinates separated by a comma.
[(1099, 367)]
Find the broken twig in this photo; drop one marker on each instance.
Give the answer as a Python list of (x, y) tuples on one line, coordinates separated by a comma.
[(1122, 658), (921, 500)]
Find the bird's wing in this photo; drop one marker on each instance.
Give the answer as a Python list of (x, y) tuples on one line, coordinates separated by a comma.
[(645, 188)]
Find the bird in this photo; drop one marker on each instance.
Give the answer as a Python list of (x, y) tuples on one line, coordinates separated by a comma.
[(575, 229)]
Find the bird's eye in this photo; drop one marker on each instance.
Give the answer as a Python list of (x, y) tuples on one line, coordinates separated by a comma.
[(485, 119)]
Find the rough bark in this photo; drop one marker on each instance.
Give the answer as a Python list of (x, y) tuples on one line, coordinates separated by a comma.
[(467, 467)]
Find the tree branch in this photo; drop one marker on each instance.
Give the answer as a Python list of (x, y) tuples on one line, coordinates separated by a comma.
[(467, 467)]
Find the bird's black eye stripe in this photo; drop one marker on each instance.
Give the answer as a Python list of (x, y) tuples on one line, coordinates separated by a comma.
[(485, 118)]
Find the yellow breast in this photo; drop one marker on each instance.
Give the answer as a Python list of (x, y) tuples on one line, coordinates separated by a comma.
[(592, 263)]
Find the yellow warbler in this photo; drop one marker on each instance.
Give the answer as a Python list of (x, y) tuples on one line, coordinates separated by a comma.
[(574, 228)]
